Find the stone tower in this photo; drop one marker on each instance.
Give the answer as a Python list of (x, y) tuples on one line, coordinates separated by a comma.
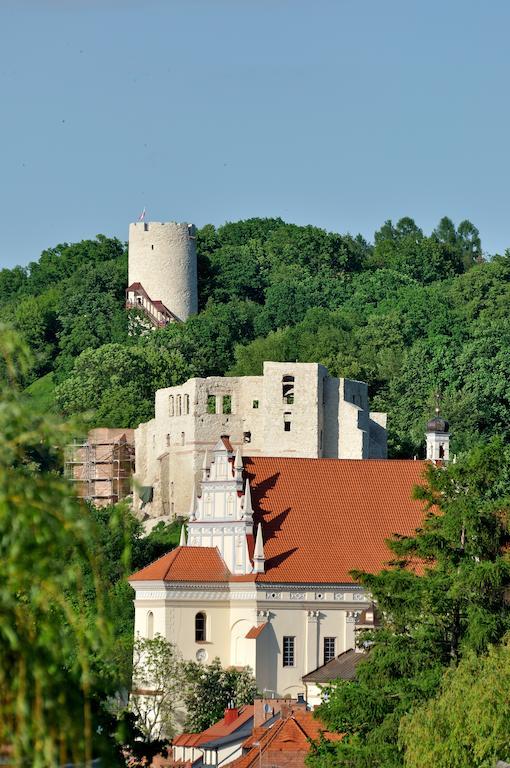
[(162, 270)]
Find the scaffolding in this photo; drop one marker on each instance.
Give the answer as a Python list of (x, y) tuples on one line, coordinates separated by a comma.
[(101, 467)]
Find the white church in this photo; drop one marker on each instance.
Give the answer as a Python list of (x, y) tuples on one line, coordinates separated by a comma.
[(262, 577)]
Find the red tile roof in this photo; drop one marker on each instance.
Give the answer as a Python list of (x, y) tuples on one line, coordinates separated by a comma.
[(216, 731), (323, 518), (254, 632), (290, 734), (186, 564)]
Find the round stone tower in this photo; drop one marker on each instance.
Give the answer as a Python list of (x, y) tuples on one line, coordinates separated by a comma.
[(163, 263)]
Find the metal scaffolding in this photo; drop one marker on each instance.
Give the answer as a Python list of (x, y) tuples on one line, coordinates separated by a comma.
[(100, 470)]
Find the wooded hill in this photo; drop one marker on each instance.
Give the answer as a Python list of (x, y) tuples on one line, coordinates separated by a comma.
[(410, 314)]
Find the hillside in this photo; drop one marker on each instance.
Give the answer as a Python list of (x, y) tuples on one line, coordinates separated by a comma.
[(410, 314)]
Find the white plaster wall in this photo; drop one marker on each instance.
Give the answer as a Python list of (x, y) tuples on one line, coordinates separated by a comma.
[(162, 257)]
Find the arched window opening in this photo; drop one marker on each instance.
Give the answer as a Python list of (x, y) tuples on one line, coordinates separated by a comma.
[(288, 389), (186, 404), (171, 405), (150, 625), (178, 405), (200, 622)]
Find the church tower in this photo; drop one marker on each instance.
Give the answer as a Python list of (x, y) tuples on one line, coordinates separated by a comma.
[(438, 437), (162, 271)]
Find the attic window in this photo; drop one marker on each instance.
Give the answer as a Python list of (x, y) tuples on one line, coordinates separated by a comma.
[(286, 421), (288, 389)]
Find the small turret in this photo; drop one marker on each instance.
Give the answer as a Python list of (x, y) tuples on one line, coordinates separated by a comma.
[(438, 436), (182, 542)]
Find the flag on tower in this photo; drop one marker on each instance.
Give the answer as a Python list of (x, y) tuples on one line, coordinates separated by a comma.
[(142, 216)]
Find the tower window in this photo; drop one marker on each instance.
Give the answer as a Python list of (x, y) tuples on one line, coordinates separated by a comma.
[(288, 651), (200, 634), (286, 421), (183, 438), (167, 439), (152, 247), (329, 649), (227, 404), (288, 389)]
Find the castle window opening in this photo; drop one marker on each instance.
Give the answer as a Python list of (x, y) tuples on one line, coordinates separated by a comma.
[(329, 649), (183, 438), (150, 625), (167, 439), (288, 389), (288, 651), (186, 404), (146, 227), (179, 405), (227, 404), (200, 633), (211, 404), (246, 437), (171, 405), (255, 405), (152, 247), (286, 421)]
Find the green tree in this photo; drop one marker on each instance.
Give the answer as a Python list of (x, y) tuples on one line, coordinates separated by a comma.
[(209, 689), (452, 605), (466, 724), (54, 665)]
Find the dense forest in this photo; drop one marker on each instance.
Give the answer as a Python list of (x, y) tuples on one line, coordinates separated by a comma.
[(410, 314)]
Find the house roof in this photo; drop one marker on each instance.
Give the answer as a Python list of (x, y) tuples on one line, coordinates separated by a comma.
[(323, 518), (342, 667), (186, 564), (219, 731), (289, 734)]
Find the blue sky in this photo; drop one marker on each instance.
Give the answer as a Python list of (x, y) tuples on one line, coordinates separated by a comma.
[(338, 113)]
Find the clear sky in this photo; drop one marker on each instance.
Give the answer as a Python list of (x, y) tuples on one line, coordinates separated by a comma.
[(338, 113)]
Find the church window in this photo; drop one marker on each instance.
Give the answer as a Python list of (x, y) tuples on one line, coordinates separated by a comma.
[(286, 421), (255, 404), (200, 634), (227, 404), (186, 404), (246, 437), (150, 625), (329, 649), (288, 651), (288, 389), (211, 404), (171, 405), (179, 405)]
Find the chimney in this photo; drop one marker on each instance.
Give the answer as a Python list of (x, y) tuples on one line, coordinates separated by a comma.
[(231, 714)]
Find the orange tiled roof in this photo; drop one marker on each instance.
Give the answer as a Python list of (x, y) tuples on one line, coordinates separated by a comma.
[(290, 734), (255, 631), (215, 731), (325, 517), (186, 564), (321, 519)]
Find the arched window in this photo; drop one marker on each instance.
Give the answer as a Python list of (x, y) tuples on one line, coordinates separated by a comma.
[(178, 405), (200, 628), (288, 389), (150, 625), (171, 405), (186, 404)]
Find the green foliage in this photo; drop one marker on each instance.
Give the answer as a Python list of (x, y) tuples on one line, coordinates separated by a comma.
[(54, 665), (466, 724), (42, 393), (209, 689), (453, 606)]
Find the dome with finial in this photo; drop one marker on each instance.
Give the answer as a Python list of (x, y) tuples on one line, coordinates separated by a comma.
[(438, 424)]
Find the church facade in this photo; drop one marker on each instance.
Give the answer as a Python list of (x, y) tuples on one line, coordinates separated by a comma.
[(263, 576)]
